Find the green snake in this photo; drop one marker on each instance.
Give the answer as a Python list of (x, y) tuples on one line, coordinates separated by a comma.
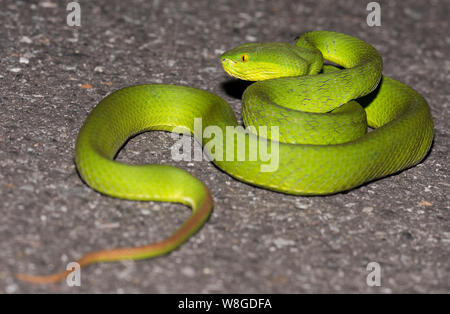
[(323, 143)]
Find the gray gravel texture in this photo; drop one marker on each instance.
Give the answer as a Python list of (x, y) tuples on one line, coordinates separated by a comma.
[(256, 241)]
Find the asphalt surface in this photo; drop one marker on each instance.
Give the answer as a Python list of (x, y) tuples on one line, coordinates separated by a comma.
[(256, 241)]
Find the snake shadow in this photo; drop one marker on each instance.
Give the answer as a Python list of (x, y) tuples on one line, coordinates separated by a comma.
[(235, 87)]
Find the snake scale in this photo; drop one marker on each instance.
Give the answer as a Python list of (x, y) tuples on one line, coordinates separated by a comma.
[(324, 146)]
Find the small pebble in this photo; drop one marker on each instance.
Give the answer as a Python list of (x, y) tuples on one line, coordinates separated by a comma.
[(280, 242), (26, 40), (48, 4), (11, 288), (99, 69), (188, 271)]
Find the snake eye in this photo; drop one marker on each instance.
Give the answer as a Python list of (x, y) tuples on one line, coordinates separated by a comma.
[(244, 58)]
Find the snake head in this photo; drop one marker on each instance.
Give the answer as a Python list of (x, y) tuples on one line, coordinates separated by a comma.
[(262, 61)]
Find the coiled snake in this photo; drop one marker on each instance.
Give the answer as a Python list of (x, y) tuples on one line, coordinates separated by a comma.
[(324, 144)]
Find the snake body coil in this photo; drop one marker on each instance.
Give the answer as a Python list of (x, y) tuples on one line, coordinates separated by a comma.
[(324, 147)]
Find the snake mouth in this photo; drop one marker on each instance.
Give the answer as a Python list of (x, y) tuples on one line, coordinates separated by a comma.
[(228, 66), (226, 62)]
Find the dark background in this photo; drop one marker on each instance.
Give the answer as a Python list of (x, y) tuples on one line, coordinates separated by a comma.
[(257, 241)]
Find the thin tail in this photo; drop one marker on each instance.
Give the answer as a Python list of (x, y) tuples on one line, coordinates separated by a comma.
[(193, 223)]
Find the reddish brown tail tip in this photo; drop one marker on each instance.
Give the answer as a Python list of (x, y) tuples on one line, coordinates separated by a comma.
[(43, 279)]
